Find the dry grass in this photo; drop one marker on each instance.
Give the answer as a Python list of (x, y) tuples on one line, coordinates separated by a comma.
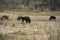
[(39, 29)]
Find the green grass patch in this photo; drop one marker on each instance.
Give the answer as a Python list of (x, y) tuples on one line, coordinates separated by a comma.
[(56, 13)]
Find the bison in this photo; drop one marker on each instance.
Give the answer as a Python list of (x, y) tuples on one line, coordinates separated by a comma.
[(25, 18), (4, 17), (52, 18)]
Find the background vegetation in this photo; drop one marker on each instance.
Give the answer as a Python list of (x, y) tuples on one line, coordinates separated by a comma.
[(31, 5), (39, 29)]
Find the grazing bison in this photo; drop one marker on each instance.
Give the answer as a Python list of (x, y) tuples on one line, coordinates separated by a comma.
[(25, 18), (4, 17), (52, 18)]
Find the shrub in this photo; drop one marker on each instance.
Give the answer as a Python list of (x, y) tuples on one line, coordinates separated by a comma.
[(21, 6)]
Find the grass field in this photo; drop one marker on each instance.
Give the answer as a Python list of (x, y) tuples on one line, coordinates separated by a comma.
[(56, 13), (39, 29)]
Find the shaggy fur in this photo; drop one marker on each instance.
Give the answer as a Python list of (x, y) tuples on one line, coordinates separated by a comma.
[(25, 18), (4, 17), (52, 18)]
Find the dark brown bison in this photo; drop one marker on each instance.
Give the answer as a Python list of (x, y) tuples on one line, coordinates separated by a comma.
[(25, 18), (52, 18), (4, 17)]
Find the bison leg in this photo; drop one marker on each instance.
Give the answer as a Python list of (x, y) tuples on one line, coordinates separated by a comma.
[(22, 21), (55, 19), (28, 21)]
